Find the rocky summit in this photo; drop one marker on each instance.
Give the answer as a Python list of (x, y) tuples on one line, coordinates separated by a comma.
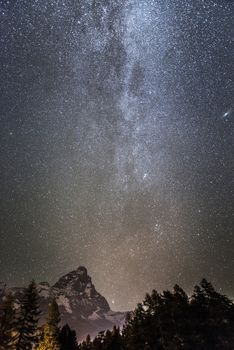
[(80, 305)]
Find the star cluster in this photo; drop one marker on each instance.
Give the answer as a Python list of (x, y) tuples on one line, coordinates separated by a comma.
[(117, 143)]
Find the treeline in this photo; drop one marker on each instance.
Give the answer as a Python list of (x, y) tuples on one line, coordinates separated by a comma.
[(163, 321)]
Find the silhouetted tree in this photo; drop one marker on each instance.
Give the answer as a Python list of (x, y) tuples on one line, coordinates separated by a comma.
[(26, 327), (213, 318), (134, 332), (116, 342), (7, 322), (86, 344), (68, 338)]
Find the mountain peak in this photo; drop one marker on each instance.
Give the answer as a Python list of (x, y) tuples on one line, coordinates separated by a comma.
[(82, 270), (76, 281)]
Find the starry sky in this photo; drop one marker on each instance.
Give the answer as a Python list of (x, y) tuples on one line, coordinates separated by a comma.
[(116, 143)]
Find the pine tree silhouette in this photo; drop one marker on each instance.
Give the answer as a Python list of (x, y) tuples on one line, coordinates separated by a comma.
[(7, 322), (68, 338), (26, 328)]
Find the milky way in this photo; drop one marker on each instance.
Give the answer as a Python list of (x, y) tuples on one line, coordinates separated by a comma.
[(117, 143)]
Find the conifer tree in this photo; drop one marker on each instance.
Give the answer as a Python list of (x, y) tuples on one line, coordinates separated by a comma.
[(87, 344), (214, 317), (116, 340), (26, 328), (68, 338), (99, 341), (7, 322), (155, 334), (50, 339), (134, 331)]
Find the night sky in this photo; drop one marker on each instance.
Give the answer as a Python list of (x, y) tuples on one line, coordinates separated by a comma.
[(116, 143)]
